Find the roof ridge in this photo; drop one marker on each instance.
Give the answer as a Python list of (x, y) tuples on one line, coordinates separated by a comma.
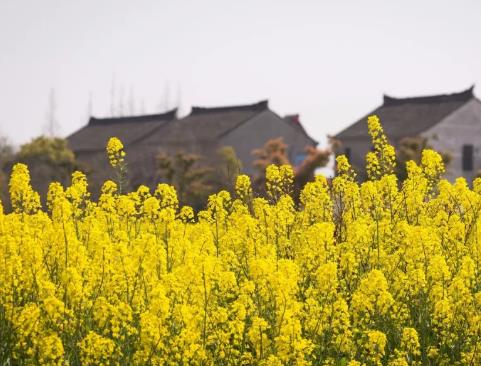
[(259, 106), (138, 118), (464, 95)]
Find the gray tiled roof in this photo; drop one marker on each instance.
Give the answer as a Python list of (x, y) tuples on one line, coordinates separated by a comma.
[(202, 127), (95, 135), (211, 123), (206, 125), (403, 117)]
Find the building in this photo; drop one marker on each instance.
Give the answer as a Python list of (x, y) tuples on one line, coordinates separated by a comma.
[(203, 132), (450, 122)]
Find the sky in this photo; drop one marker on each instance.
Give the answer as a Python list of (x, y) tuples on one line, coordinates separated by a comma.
[(329, 61)]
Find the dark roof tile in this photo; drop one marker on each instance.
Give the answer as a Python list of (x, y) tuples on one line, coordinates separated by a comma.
[(134, 119), (95, 135), (207, 124), (259, 106), (403, 117)]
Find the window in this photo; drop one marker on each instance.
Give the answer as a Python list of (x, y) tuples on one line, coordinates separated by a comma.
[(468, 157), (299, 158)]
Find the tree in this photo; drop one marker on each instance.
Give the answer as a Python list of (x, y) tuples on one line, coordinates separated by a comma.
[(90, 105), (132, 110), (185, 172), (230, 167), (52, 125), (6, 155), (49, 159), (315, 158), (164, 103), (113, 90), (274, 152), (411, 148)]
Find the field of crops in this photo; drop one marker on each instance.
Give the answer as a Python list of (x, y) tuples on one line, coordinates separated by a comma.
[(378, 273)]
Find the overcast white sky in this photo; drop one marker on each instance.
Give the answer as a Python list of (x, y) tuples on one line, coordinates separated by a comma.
[(330, 61)]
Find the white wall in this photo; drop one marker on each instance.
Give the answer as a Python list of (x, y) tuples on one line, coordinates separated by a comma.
[(462, 127)]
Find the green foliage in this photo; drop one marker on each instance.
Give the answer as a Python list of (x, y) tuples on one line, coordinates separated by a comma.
[(50, 159), (229, 168), (6, 154), (411, 148), (189, 177), (52, 151)]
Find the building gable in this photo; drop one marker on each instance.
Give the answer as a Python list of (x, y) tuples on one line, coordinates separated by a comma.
[(255, 132), (403, 117), (457, 133)]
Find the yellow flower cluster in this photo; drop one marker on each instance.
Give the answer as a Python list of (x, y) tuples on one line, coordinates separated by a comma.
[(279, 180), (23, 198), (382, 160), (378, 273), (115, 151)]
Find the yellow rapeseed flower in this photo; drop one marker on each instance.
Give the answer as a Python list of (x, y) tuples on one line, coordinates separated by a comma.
[(374, 273)]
